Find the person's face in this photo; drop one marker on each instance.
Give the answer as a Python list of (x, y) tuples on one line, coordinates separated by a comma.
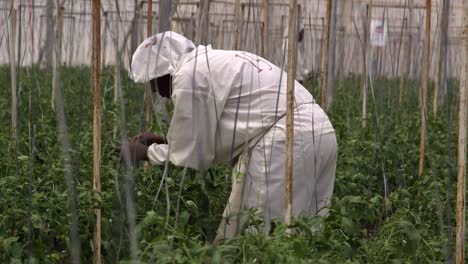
[(163, 85)]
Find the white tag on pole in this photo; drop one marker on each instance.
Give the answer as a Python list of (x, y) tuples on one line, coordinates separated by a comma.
[(378, 32)]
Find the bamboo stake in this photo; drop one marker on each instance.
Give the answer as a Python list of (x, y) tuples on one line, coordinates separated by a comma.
[(104, 42), (244, 26), (97, 128), (439, 70), (117, 65), (364, 37), (203, 22), (19, 34), (281, 41), (322, 45), (440, 78), (14, 99), (411, 67), (57, 54), (403, 67), (149, 13), (63, 136), (325, 56), (223, 30), (134, 32), (424, 84), (149, 30), (292, 56), (116, 72), (193, 27), (366, 26), (462, 123), (48, 47), (265, 28), (164, 15), (236, 25), (331, 55)]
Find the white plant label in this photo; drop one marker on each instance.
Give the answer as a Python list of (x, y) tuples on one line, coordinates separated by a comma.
[(378, 32)]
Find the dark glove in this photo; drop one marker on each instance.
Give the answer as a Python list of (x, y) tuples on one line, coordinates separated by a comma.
[(133, 152), (148, 139)]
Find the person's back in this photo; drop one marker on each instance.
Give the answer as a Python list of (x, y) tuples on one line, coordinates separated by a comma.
[(251, 94)]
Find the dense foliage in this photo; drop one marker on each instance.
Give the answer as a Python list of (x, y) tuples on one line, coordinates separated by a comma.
[(176, 220)]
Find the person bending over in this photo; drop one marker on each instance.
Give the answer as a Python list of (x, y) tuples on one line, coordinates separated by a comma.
[(230, 107)]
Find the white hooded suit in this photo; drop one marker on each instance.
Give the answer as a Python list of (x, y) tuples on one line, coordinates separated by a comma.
[(231, 105)]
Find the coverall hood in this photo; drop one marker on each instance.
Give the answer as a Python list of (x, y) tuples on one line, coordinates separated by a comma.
[(159, 55)]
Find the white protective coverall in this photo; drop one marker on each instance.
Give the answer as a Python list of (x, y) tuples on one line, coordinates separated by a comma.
[(231, 105)]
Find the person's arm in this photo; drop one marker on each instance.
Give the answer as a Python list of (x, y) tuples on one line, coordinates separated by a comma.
[(192, 132), (148, 139)]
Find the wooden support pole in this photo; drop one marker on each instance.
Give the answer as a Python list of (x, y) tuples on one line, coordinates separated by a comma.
[(117, 64), (206, 36), (104, 41), (322, 44), (14, 99), (164, 15), (366, 26), (135, 33), (298, 28), (48, 47), (331, 55), (19, 34), (165, 10), (424, 87), (97, 128), (57, 53), (281, 40), (292, 57), (244, 26), (214, 33), (326, 47), (345, 16), (440, 76), (410, 62), (149, 31), (203, 22), (117, 69), (265, 38), (364, 41), (222, 32), (237, 22), (403, 66), (149, 14), (193, 27), (462, 123)]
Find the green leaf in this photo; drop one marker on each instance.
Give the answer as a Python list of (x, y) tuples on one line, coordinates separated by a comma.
[(355, 199), (22, 158), (36, 221), (409, 229), (192, 207), (348, 226), (8, 242)]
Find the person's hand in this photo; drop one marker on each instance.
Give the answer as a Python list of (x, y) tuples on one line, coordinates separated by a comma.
[(148, 139), (133, 152)]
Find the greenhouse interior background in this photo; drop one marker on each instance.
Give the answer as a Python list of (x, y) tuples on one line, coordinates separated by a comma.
[(391, 75)]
